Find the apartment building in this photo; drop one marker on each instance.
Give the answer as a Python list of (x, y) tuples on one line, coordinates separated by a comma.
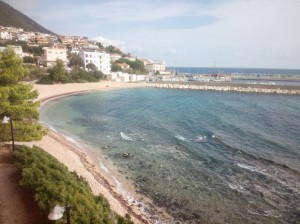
[(17, 49), (5, 35), (41, 40), (156, 66), (50, 55), (100, 59), (115, 57)]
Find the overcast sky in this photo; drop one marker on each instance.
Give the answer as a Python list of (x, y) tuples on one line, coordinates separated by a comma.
[(200, 33)]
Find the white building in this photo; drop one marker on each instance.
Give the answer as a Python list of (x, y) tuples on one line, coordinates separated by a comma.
[(52, 53), (23, 36), (125, 77), (115, 57), (100, 59), (17, 49), (6, 35), (156, 66)]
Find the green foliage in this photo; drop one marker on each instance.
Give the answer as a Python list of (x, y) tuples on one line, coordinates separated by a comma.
[(81, 75), (35, 50), (11, 68), (77, 74), (45, 80), (36, 73), (53, 184), (136, 66), (28, 59), (113, 50), (17, 101), (100, 45), (75, 60), (58, 73), (115, 67), (91, 67)]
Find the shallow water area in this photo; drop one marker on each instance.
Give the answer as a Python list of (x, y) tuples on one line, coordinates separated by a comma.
[(209, 157)]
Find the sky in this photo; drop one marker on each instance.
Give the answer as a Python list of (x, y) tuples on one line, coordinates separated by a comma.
[(198, 33)]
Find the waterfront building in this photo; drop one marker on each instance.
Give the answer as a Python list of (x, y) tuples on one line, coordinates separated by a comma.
[(99, 58), (50, 55), (125, 77), (156, 66)]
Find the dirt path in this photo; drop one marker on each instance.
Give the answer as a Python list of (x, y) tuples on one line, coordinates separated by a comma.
[(16, 202)]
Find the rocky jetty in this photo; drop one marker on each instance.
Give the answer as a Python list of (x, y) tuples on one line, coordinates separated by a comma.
[(275, 89)]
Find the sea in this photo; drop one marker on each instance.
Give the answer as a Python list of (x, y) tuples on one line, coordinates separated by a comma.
[(203, 156), (241, 71)]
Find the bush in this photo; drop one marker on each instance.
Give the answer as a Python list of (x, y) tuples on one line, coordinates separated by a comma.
[(46, 80), (28, 59), (53, 184)]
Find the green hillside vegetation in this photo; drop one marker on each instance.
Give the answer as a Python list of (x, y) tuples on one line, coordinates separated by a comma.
[(12, 17), (58, 74), (53, 184), (136, 67)]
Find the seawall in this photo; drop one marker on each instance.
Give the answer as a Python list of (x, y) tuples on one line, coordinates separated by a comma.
[(247, 88)]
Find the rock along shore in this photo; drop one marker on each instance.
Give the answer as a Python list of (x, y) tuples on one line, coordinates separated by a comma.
[(247, 88)]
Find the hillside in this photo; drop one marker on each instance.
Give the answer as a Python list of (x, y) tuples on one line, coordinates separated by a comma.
[(12, 17)]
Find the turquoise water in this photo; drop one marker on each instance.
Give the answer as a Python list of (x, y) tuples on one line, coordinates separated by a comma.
[(207, 157)]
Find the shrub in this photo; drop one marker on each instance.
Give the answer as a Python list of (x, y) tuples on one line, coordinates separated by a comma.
[(45, 80), (53, 184)]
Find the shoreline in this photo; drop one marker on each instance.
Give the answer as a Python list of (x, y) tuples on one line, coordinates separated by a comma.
[(84, 162)]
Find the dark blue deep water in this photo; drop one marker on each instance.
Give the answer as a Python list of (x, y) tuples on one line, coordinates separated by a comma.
[(246, 71), (207, 157)]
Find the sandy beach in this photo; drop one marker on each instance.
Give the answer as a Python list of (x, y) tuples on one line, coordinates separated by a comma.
[(81, 161)]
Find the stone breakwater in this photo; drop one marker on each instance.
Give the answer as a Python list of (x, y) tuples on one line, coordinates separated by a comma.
[(229, 87)]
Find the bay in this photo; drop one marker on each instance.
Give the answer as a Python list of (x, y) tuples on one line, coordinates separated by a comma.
[(207, 157)]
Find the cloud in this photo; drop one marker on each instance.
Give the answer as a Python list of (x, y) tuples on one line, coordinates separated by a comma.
[(117, 11), (106, 41), (230, 32)]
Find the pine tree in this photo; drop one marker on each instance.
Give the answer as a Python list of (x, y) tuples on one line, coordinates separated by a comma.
[(17, 101)]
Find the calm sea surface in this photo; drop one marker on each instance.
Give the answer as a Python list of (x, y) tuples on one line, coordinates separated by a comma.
[(253, 71), (207, 157)]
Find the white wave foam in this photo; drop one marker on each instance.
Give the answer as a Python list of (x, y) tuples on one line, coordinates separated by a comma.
[(181, 138), (137, 203), (118, 184), (236, 187), (72, 140), (201, 138), (269, 213), (126, 137), (103, 167), (252, 168), (272, 213)]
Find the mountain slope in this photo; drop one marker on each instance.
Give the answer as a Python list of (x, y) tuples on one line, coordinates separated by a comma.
[(12, 17)]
